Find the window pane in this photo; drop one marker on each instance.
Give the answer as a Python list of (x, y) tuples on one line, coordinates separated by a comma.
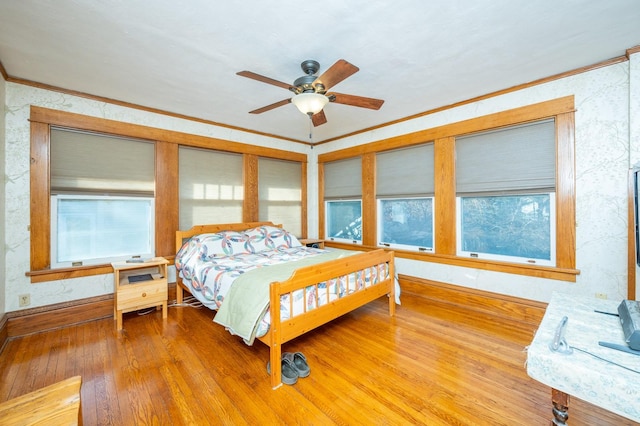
[(406, 222), (344, 220), (519, 226), (101, 229)]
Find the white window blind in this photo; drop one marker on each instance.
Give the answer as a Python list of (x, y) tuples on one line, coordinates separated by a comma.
[(405, 172), (516, 159), (211, 187), (88, 163), (343, 179), (280, 193)]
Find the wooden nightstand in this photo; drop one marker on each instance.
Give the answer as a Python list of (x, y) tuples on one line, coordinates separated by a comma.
[(138, 286), (312, 242)]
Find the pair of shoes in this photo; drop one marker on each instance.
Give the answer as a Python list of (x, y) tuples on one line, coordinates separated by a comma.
[(289, 374), (299, 362)]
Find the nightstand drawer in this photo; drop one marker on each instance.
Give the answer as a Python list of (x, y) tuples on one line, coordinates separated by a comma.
[(142, 295)]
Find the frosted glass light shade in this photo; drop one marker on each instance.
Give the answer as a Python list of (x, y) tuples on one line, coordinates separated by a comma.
[(310, 103)]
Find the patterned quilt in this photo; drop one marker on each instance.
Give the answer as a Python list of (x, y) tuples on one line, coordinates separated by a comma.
[(209, 264)]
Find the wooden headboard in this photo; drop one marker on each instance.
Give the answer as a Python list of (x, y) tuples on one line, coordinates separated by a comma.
[(182, 236)]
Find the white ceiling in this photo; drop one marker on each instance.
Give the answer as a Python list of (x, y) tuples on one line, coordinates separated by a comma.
[(182, 56)]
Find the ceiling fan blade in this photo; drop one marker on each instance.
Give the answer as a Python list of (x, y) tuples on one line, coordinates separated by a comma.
[(318, 118), (264, 79), (359, 101), (270, 107), (335, 74)]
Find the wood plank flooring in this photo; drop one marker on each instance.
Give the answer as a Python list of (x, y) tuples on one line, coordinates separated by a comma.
[(433, 364)]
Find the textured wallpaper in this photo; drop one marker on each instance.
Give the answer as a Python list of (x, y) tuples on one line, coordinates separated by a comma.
[(2, 198), (602, 162), (19, 100)]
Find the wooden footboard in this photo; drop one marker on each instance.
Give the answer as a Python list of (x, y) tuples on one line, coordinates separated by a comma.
[(282, 331)]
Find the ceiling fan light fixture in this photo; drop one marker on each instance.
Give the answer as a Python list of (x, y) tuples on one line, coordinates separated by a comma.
[(310, 103)]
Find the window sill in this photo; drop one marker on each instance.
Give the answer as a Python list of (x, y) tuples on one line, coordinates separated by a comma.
[(548, 272), (66, 273), (46, 275)]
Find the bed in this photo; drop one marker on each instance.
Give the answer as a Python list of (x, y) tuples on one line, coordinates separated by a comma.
[(301, 289)]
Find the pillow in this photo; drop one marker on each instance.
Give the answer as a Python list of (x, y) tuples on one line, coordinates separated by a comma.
[(223, 243), (269, 238), (228, 243)]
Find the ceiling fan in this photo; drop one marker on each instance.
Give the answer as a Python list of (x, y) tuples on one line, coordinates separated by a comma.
[(311, 92)]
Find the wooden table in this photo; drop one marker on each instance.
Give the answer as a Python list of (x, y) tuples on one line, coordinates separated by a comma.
[(605, 377)]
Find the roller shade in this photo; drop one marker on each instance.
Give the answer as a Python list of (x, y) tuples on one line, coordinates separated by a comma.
[(514, 159), (280, 193), (343, 178), (211, 187), (405, 172), (89, 163)]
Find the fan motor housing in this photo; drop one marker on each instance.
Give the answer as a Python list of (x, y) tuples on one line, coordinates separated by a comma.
[(305, 84)]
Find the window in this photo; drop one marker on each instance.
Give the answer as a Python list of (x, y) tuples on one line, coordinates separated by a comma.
[(506, 194), (343, 200), (518, 163), (96, 229), (404, 186), (280, 193), (146, 168), (344, 220), (406, 223), (211, 187), (102, 198), (512, 228)]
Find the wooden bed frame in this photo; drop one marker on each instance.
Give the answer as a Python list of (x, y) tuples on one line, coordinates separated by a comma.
[(282, 331)]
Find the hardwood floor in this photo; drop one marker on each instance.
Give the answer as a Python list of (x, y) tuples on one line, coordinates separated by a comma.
[(433, 364)]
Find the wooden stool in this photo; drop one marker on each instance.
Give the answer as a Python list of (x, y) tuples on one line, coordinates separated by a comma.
[(58, 404)]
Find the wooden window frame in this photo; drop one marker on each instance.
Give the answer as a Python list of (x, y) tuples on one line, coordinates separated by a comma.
[(561, 109), (166, 176)]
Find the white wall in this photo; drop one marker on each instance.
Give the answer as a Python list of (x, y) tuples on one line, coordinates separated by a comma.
[(634, 127), (602, 162), (2, 195), (19, 99)]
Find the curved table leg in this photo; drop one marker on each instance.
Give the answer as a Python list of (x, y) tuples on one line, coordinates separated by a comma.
[(560, 409)]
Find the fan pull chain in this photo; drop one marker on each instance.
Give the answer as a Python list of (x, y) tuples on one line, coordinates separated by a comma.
[(310, 127)]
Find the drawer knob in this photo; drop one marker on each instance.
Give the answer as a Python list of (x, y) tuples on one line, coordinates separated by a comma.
[(144, 294)]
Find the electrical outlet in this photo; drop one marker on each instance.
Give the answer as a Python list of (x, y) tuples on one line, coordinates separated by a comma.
[(24, 300), (601, 295)]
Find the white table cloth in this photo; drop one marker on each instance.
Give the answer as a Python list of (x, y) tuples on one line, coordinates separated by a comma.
[(605, 377)]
